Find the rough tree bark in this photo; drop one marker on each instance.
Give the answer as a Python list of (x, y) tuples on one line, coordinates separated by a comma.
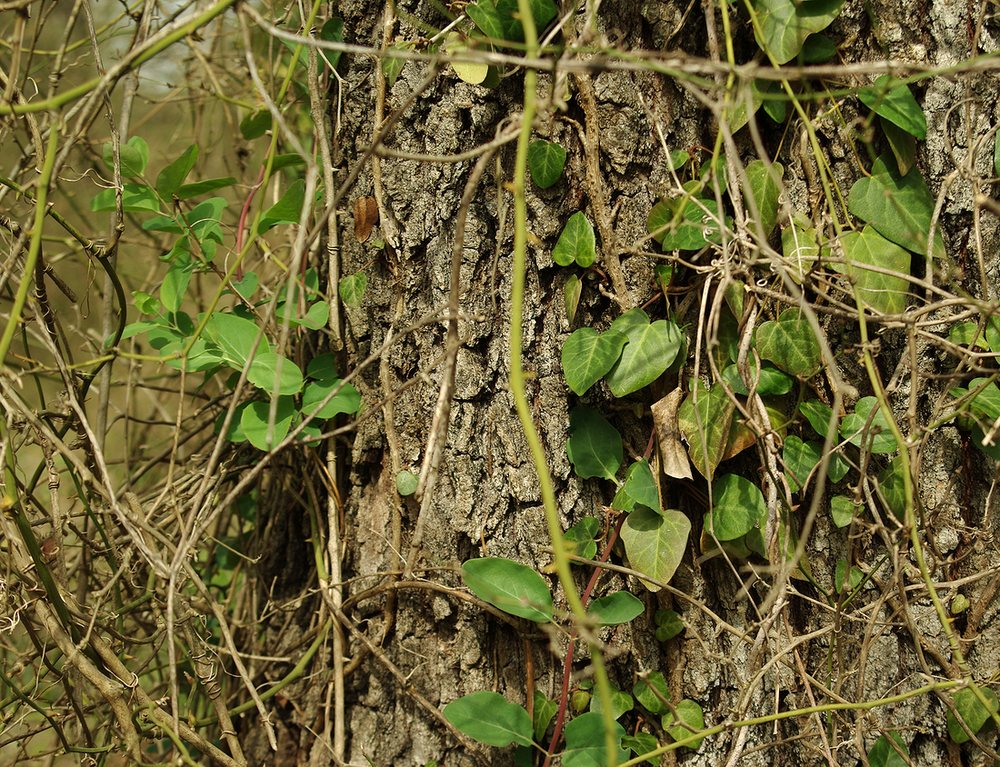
[(486, 497)]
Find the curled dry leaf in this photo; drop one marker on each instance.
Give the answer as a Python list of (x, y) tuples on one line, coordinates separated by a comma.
[(672, 452), (365, 217)]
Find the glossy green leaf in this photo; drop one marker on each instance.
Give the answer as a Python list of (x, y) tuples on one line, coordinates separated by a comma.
[(544, 710), (638, 489), (621, 702), (135, 198), (790, 344), (594, 445), (352, 288), (818, 49), (406, 483), (587, 355), (655, 543), (685, 223), (677, 159), (323, 367), (316, 317), (971, 711), (818, 415), (511, 587), (175, 284), (747, 99), (770, 382), (332, 31), (642, 743), (800, 458), (346, 400), (286, 210), (705, 419), (738, 507), (577, 243), (868, 257), (254, 422), (617, 608), (891, 99), (499, 20), (892, 488), (775, 100), (198, 188), (256, 124), (899, 207), (992, 334), (883, 754), (134, 155), (650, 350), (585, 744), (172, 176), (985, 404), (689, 719), (764, 189), (652, 693), (668, 625), (581, 537), (490, 718), (842, 510), (877, 436), (546, 161), (275, 374), (236, 336), (784, 25)]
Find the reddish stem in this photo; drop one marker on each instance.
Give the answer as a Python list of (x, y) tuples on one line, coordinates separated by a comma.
[(243, 218)]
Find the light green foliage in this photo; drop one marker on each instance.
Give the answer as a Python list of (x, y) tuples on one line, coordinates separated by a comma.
[(588, 355), (892, 100), (585, 743), (877, 268), (655, 542), (275, 373), (172, 176), (847, 579), (641, 743), (652, 693), (783, 25), (790, 344), (406, 483), (577, 243), (490, 718), (763, 189), (885, 754), (546, 161), (499, 20), (286, 210), (737, 506), (509, 586), (685, 223), (621, 702), (638, 489), (134, 155), (875, 434), (572, 291), (594, 445), (136, 198), (971, 711), (543, 713), (842, 510), (900, 208), (260, 429), (614, 609), (819, 416), (581, 537), (689, 718), (456, 46), (800, 458), (902, 144), (351, 288)]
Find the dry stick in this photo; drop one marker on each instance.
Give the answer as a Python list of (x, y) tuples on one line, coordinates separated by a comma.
[(442, 411), (387, 219)]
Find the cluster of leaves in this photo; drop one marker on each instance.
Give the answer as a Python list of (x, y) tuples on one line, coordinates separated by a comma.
[(236, 339)]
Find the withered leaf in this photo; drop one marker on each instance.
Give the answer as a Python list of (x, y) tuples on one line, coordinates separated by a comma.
[(672, 452), (365, 217)]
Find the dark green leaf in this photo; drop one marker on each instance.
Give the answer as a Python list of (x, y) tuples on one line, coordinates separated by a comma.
[(621, 702), (346, 400), (652, 693), (172, 176), (135, 197), (738, 507), (655, 543), (764, 189), (500, 21), (876, 436), (323, 367), (577, 243), (771, 381), (546, 161), (800, 459), (332, 31), (236, 336), (883, 754), (544, 710), (790, 344), (842, 510), (876, 267), (587, 355), (891, 99), (638, 489), (641, 743), (286, 210), (198, 188), (705, 418), (818, 415), (511, 587), (254, 423), (899, 207), (784, 25), (581, 537), (256, 124), (668, 625), (650, 350), (594, 445), (490, 718), (818, 49), (689, 719), (264, 373), (971, 711), (847, 579), (892, 488), (392, 66), (902, 144), (685, 223), (585, 745), (617, 608)]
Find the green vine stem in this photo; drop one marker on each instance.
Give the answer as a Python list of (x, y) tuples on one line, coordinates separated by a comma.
[(517, 389)]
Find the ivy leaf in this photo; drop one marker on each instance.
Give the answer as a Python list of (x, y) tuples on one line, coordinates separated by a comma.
[(134, 155), (256, 124), (784, 25), (621, 702), (818, 415), (585, 745), (500, 21), (764, 188), (685, 223), (869, 256), (546, 161), (642, 743), (286, 210), (800, 247), (668, 625), (407, 483), (650, 350), (254, 422), (172, 176), (892, 488), (877, 437), (842, 511), (770, 380), (352, 288), (738, 506), (638, 489), (346, 400), (884, 754), (572, 291), (800, 458), (704, 419), (902, 144), (581, 537), (587, 355), (690, 718), (264, 374), (790, 344), (652, 693), (509, 586), (655, 543), (891, 99), (544, 710), (971, 711), (576, 243), (617, 608), (490, 718), (899, 207), (594, 445), (332, 31)]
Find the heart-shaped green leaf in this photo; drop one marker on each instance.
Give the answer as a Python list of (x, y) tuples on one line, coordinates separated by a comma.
[(585, 742), (254, 422), (638, 489), (876, 266), (172, 176), (784, 25), (577, 243), (690, 719), (877, 435), (594, 445), (546, 161), (134, 155), (971, 711), (275, 374), (705, 420), (650, 350), (655, 543), (615, 609), (587, 355), (789, 343), (509, 586), (490, 718), (764, 190), (738, 506), (891, 99)]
